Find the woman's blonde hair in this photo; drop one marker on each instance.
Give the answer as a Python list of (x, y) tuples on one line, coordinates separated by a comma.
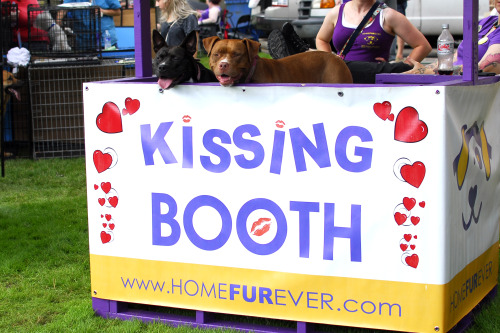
[(176, 9)]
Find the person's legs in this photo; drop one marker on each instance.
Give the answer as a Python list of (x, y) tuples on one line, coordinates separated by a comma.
[(285, 42)]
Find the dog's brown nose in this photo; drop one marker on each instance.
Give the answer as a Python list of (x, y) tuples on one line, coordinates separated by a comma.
[(223, 65)]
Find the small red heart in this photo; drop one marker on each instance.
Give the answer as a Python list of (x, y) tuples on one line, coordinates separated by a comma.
[(422, 204), (102, 216), (409, 203), (415, 236), (412, 246), (105, 237), (106, 187), (403, 247), (102, 161), (104, 225), (96, 186), (131, 106), (412, 260), (113, 201), (110, 120), (108, 217), (407, 237), (413, 174), (400, 218), (382, 110), (391, 117), (111, 226), (102, 201), (415, 220), (408, 127)]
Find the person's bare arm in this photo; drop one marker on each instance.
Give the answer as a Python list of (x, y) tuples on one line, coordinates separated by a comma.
[(110, 12), (325, 33), (491, 60), (398, 24)]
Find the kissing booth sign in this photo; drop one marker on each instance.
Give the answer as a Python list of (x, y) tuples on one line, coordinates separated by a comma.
[(374, 207)]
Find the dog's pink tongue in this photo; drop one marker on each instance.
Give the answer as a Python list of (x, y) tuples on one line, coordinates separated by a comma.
[(225, 80), (165, 83)]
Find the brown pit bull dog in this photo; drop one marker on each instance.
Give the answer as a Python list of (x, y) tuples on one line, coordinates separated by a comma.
[(237, 61)]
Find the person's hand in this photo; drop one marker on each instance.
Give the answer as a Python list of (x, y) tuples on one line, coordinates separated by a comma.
[(418, 68), (380, 59)]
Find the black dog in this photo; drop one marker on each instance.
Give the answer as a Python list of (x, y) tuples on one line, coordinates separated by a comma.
[(176, 64)]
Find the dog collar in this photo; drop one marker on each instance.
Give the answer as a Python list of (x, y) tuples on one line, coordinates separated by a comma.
[(252, 70)]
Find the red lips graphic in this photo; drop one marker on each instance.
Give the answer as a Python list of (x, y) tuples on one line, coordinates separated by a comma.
[(280, 123), (186, 119), (261, 226)]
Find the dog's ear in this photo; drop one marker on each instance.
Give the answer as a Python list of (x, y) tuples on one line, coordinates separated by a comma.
[(209, 42), (190, 42), (252, 47), (158, 41)]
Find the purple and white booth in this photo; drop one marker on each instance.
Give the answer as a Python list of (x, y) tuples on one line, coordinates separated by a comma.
[(372, 206)]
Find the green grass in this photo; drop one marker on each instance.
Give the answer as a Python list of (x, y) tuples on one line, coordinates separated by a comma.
[(44, 257)]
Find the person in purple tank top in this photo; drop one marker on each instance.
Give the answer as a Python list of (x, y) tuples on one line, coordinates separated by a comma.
[(374, 42)]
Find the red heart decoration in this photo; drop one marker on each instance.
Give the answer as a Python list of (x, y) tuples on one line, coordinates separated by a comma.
[(409, 203), (113, 201), (409, 128), (391, 117), (412, 260), (104, 225), (403, 247), (400, 218), (131, 106), (106, 187), (96, 186), (422, 204), (102, 161), (111, 226), (110, 120), (407, 237), (108, 217), (105, 237), (415, 236), (413, 174), (412, 246), (102, 201), (382, 110), (415, 220)]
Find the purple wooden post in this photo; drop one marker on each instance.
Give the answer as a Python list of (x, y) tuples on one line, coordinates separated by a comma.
[(142, 38), (470, 41)]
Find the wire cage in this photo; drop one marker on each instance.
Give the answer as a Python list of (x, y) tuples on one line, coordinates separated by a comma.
[(57, 105), (64, 32)]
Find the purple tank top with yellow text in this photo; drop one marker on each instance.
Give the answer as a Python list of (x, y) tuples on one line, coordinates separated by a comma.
[(373, 42)]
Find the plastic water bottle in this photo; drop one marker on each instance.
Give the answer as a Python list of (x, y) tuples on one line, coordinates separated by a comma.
[(445, 46), (107, 40)]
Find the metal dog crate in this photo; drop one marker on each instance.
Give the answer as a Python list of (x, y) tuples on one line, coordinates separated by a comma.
[(77, 27), (57, 105)]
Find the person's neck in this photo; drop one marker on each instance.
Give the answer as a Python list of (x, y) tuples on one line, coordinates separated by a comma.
[(362, 6)]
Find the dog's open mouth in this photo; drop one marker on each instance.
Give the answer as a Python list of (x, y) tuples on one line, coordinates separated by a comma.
[(226, 80), (14, 91), (166, 83)]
